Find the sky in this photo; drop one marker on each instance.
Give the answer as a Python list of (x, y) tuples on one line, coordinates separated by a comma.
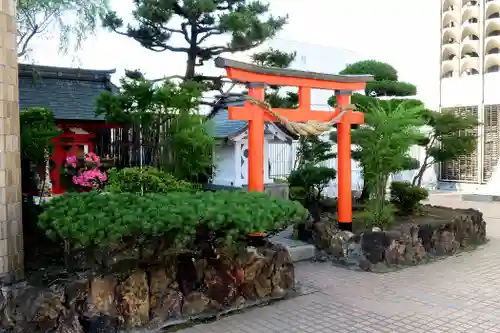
[(405, 34)]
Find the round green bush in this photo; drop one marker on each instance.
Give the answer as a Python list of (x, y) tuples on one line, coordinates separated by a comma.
[(100, 220), (145, 180), (407, 197)]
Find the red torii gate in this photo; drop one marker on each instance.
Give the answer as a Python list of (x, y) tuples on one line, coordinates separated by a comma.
[(257, 77)]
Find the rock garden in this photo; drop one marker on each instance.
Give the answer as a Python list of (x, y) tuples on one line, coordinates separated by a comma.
[(390, 226), (116, 261), (432, 233), (130, 246)]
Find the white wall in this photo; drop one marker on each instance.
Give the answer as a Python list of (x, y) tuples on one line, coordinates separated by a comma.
[(317, 58), (492, 88), (282, 160), (224, 164), (463, 91)]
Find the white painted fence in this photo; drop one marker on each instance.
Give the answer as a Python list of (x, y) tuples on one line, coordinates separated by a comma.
[(283, 156)]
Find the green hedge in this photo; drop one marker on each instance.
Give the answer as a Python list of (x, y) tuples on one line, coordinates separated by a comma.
[(145, 180), (90, 220)]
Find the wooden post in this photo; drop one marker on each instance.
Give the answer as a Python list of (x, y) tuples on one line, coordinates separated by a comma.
[(344, 164)]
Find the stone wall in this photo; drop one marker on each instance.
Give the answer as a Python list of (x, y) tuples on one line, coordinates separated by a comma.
[(180, 289), (402, 245), (11, 239)]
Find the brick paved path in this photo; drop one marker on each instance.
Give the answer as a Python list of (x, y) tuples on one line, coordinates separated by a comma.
[(458, 294)]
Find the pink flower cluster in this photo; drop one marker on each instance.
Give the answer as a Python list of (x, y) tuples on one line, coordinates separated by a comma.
[(72, 160), (86, 172), (92, 158), (88, 178)]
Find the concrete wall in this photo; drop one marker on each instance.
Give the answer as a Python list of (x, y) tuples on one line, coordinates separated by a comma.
[(11, 237)]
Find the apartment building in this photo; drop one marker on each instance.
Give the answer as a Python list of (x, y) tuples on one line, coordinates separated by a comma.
[(470, 82)]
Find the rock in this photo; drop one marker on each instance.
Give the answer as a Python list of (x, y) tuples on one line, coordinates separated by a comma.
[(330, 239), (248, 291), (446, 244), (283, 277), (77, 293), (102, 296), (69, 323), (409, 243), (133, 299), (263, 286), (221, 285), (374, 245), (35, 309), (99, 324), (165, 300), (194, 304), (252, 265)]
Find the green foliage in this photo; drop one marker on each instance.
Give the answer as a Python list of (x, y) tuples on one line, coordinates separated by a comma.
[(274, 58), (37, 18), (246, 23), (308, 182), (38, 128), (384, 148), (93, 220), (406, 197), (309, 179), (145, 180), (380, 70), (386, 84), (313, 150), (280, 59), (364, 102), (379, 215), (452, 135), (390, 88), (166, 115)]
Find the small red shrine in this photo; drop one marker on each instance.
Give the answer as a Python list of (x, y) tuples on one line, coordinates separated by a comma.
[(71, 95)]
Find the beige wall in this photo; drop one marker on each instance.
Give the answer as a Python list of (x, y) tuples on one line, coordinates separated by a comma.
[(11, 237)]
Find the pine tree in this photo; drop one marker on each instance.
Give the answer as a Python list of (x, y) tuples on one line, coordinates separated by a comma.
[(246, 23)]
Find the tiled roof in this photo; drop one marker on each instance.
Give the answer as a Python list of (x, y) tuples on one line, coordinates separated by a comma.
[(223, 128), (70, 93)]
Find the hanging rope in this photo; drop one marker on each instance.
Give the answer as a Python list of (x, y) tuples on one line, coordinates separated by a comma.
[(310, 128)]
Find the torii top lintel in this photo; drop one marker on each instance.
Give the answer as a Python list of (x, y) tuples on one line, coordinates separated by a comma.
[(248, 73), (244, 72)]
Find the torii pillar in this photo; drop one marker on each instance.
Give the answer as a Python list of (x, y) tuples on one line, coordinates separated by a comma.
[(257, 77), (11, 230)]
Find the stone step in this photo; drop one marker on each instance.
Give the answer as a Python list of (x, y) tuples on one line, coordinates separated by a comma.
[(477, 197), (299, 251)]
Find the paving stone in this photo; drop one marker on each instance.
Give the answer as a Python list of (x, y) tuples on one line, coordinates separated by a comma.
[(458, 294)]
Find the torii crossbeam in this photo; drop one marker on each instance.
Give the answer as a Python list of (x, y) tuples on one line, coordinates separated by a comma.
[(257, 77)]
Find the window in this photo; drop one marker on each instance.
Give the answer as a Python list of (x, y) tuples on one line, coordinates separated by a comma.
[(491, 137), (464, 168)]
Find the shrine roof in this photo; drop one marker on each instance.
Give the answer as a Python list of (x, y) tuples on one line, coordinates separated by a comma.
[(224, 128), (70, 93)]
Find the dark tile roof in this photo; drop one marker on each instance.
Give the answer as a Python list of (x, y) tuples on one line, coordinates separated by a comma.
[(224, 128), (70, 93)]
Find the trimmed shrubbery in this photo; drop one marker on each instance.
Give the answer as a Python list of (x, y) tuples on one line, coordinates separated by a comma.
[(406, 197), (145, 180), (179, 219)]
